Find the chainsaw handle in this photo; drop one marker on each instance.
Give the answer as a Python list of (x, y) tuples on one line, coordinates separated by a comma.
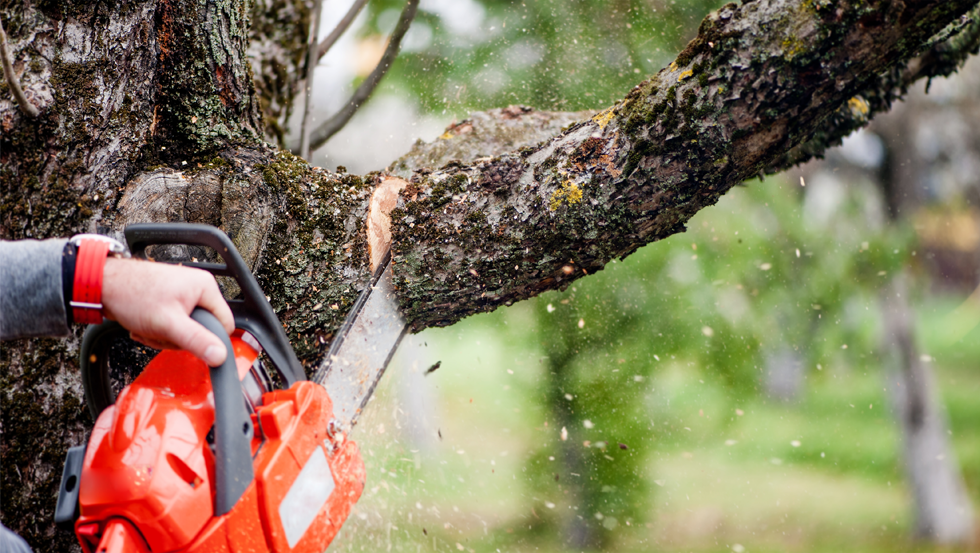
[(253, 312), (232, 424), (93, 365)]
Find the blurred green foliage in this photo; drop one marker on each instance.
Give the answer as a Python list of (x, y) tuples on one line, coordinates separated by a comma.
[(568, 55), (753, 274)]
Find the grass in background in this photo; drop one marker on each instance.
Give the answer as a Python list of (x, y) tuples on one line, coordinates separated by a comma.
[(723, 480)]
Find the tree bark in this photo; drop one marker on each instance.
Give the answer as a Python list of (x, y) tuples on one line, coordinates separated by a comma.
[(149, 111)]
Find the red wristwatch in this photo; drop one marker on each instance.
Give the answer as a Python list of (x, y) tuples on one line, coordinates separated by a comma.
[(86, 301)]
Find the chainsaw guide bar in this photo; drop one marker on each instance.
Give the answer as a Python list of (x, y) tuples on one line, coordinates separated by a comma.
[(362, 349)]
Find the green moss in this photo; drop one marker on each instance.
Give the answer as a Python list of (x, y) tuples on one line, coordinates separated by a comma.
[(476, 218), (286, 174), (310, 240)]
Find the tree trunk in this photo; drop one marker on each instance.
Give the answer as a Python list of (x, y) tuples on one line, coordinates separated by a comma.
[(943, 513), (149, 111), (577, 488), (942, 509)]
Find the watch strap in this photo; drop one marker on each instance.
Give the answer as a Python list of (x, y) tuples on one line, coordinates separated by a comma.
[(86, 301)]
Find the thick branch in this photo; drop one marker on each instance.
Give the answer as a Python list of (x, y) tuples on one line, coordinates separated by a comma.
[(487, 134), (471, 237), (943, 55)]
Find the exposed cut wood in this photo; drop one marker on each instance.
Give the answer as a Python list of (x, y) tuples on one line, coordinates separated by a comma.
[(383, 200)]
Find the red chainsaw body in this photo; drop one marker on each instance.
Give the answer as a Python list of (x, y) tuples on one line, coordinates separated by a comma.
[(148, 476)]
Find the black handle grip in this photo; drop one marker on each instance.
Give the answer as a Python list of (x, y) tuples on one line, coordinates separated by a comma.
[(66, 511), (232, 424), (93, 364), (252, 313)]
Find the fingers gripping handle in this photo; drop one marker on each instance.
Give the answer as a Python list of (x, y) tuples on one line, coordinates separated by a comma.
[(232, 424), (253, 312)]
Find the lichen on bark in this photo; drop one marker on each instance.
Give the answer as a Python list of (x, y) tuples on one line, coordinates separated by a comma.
[(316, 261)]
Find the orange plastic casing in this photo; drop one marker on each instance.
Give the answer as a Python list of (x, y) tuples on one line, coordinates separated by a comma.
[(148, 462)]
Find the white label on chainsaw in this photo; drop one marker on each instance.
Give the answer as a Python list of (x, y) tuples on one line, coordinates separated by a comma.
[(306, 496)]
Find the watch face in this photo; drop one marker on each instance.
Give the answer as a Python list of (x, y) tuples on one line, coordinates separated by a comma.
[(116, 247)]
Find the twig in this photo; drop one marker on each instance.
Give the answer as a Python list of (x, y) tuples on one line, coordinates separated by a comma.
[(328, 42), (311, 60), (8, 72), (363, 92)]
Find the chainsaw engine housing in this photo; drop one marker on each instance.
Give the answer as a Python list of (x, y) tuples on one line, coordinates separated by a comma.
[(149, 462)]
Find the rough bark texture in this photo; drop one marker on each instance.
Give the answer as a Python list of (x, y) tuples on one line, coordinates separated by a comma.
[(149, 111), (279, 35)]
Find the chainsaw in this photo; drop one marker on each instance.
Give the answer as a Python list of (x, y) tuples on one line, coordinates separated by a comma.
[(235, 458)]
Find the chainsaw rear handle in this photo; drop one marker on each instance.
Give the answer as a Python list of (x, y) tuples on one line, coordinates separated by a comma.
[(93, 365), (232, 424), (252, 313)]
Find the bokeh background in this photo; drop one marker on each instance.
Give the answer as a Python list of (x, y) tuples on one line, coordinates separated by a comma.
[(797, 372)]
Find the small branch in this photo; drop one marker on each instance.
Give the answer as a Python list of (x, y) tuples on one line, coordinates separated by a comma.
[(8, 72), (311, 60), (328, 42), (363, 92)]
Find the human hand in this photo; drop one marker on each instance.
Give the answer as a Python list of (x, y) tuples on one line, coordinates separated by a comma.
[(153, 301)]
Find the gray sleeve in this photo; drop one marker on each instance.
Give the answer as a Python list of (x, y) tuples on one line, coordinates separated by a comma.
[(32, 301), (11, 542)]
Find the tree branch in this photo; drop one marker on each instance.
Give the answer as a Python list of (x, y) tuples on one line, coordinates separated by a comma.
[(8, 72), (337, 31), (311, 60), (363, 92), (470, 237), (942, 56)]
